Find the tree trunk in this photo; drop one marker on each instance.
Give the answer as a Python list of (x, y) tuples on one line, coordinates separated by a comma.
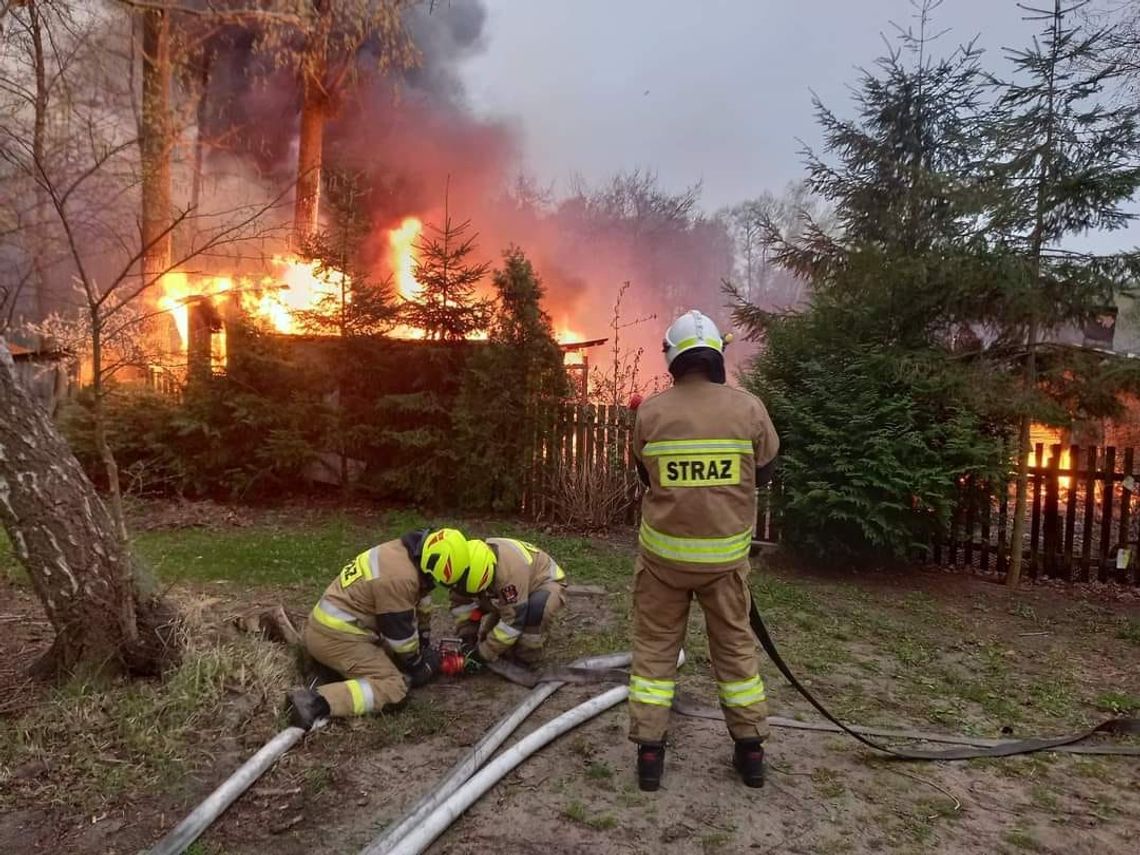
[(1036, 246), (155, 143), (99, 424), (310, 149), (309, 158), (64, 537), (1013, 576), (202, 114), (39, 162)]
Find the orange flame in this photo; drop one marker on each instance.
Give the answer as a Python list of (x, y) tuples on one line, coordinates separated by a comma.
[(295, 285), (1048, 437), (402, 247)]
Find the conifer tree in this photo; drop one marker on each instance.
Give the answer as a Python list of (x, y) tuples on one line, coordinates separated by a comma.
[(511, 387), (448, 307), (1067, 164)]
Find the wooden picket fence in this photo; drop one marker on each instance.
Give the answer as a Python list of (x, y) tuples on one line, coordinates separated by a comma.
[(1082, 523), (583, 471)]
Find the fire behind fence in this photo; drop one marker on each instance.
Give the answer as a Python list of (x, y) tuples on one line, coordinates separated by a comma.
[(1082, 522)]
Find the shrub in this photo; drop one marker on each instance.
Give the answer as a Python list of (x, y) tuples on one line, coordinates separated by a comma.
[(874, 440)]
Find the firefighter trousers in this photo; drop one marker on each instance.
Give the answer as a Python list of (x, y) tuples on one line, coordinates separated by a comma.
[(661, 599), (542, 605), (372, 679)]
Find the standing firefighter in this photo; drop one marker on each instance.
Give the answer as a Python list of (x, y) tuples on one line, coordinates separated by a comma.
[(509, 617), (372, 625), (701, 448)]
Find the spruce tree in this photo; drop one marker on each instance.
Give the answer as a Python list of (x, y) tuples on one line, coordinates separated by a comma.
[(510, 388), (1066, 165), (448, 307), (878, 423), (354, 313)]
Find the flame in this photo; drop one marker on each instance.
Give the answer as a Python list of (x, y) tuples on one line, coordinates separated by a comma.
[(293, 285), (1048, 437), (296, 285), (565, 334), (402, 246)]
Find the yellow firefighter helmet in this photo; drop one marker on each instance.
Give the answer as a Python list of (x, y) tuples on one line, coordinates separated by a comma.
[(445, 556)]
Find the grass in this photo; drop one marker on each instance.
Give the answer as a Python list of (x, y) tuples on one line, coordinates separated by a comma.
[(259, 555), (599, 772), (875, 656), (1129, 630), (1021, 839), (577, 812), (828, 782), (107, 738), (1118, 703), (715, 841)]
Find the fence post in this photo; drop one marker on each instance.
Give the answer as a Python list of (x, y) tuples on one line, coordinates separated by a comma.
[(1051, 522), (1125, 512), (970, 508), (1035, 527), (1071, 509), (1003, 551), (1106, 511), (1090, 507), (988, 499)]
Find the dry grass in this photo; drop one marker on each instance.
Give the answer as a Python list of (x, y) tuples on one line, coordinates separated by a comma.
[(93, 740), (593, 498)]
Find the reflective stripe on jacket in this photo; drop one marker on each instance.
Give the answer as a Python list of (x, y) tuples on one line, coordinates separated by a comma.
[(379, 593), (700, 443)]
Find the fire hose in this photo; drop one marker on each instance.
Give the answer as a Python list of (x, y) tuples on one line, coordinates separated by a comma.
[(480, 752)]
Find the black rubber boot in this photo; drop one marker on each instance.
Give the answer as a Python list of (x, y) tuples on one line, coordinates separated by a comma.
[(650, 765), (749, 761), (305, 707)]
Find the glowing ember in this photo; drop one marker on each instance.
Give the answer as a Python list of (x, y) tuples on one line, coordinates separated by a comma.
[(402, 244)]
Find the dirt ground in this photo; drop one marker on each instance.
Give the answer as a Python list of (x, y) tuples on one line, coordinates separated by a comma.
[(824, 793)]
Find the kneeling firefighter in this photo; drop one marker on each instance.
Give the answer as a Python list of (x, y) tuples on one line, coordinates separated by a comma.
[(701, 447), (373, 624), (511, 615)]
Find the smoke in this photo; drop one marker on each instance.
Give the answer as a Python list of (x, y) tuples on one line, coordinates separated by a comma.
[(419, 146)]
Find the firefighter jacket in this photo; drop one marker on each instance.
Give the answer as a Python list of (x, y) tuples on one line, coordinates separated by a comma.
[(521, 569), (699, 443), (383, 593)]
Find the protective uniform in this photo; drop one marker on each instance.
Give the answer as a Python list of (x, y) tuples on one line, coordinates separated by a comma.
[(372, 624), (698, 447), (511, 616)]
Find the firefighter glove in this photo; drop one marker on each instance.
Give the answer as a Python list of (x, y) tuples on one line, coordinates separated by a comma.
[(424, 667)]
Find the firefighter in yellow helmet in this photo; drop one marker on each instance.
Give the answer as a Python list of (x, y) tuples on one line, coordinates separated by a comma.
[(373, 625), (524, 588), (701, 447)]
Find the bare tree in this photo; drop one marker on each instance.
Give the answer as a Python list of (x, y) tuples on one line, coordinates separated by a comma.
[(104, 614), (76, 158)]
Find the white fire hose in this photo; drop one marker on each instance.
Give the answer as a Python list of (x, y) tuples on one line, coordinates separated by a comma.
[(449, 810), (479, 753), (433, 821), (215, 804)]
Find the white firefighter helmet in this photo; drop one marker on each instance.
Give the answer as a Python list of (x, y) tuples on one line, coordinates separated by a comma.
[(692, 330)]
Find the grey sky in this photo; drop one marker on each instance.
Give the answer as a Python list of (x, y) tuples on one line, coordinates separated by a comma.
[(711, 90)]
